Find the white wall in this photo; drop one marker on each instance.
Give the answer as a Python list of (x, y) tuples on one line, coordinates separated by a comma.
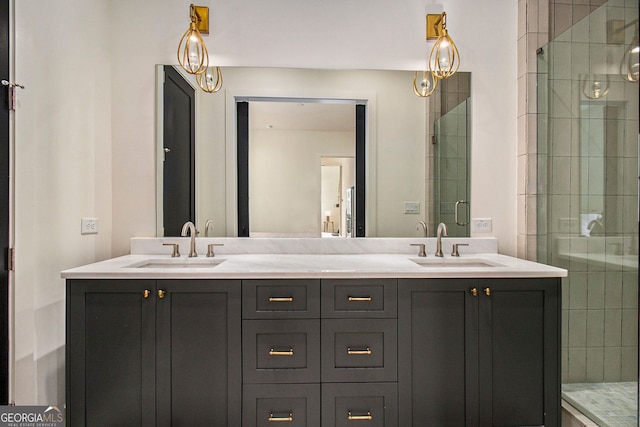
[(63, 173), (284, 178), (85, 123)]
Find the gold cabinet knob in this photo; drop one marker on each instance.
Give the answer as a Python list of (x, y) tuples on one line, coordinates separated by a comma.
[(161, 293), (487, 291), (474, 292), (146, 293)]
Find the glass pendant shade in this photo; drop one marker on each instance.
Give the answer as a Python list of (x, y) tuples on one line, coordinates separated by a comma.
[(424, 83), (193, 56), (630, 64), (595, 86), (211, 80), (444, 59)]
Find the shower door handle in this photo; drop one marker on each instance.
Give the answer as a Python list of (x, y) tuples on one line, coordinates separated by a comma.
[(458, 203)]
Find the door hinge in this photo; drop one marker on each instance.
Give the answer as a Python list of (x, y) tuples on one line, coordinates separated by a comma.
[(11, 259), (11, 89)]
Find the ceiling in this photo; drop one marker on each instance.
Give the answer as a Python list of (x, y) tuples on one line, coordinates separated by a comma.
[(316, 116)]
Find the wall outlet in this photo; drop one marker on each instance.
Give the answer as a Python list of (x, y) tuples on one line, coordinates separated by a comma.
[(412, 207), (481, 225), (89, 226)]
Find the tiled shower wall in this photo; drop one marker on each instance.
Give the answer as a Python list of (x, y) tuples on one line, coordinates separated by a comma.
[(449, 94), (451, 168), (587, 189), (539, 21)]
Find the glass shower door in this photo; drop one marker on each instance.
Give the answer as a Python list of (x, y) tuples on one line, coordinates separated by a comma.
[(588, 207), (451, 164)]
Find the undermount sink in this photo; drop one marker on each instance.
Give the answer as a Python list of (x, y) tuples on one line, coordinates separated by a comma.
[(455, 263), (178, 263)]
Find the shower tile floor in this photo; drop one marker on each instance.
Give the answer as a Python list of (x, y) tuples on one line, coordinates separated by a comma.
[(607, 404)]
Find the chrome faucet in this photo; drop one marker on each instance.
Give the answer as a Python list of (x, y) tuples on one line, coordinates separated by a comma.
[(192, 230), (208, 224), (424, 227), (442, 231)]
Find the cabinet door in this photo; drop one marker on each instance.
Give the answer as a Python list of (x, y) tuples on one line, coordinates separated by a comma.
[(437, 352), (110, 353), (519, 357), (198, 353)]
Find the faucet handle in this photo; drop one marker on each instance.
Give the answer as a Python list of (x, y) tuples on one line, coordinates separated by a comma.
[(422, 252), (210, 246), (454, 250), (176, 249)]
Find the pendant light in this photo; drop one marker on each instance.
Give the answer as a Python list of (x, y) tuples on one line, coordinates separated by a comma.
[(193, 56), (424, 83), (211, 80), (595, 86), (444, 59), (630, 64)]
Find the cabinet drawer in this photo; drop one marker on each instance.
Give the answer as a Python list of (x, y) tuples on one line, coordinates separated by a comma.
[(280, 299), (281, 351), (370, 298), (359, 350), (370, 405), (293, 405)]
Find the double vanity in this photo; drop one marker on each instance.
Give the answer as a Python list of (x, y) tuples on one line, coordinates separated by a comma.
[(313, 332)]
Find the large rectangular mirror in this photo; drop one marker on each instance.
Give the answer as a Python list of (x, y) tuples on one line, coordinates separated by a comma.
[(310, 115)]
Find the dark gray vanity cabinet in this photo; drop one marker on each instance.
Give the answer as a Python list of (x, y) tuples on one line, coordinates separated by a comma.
[(313, 353), (479, 352), (153, 353)]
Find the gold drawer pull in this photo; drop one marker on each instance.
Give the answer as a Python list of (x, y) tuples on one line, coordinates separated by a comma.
[(487, 291), (146, 293), (273, 352), (360, 299), (280, 299), (474, 292), (358, 352), (288, 419), (161, 293), (367, 417)]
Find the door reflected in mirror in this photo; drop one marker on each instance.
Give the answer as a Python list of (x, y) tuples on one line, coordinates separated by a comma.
[(337, 179)]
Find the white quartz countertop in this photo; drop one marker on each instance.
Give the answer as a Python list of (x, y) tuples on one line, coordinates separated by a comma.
[(282, 265)]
